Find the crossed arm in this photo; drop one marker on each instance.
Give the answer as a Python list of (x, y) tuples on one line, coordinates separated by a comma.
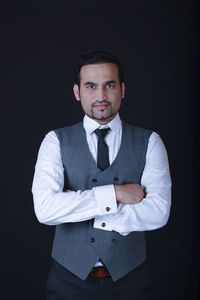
[(130, 207), (127, 193)]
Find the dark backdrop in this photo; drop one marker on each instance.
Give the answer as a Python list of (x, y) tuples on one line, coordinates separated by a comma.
[(157, 42)]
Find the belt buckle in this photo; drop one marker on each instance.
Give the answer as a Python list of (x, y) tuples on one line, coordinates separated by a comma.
[(99, 272)]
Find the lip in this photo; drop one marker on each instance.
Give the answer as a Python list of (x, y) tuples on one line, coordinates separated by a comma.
[(101, 106)]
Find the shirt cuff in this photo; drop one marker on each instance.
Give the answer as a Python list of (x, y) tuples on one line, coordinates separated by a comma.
[(107, 205), (106, 199)]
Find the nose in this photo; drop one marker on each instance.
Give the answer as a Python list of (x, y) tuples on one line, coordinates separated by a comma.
[(101, 94)]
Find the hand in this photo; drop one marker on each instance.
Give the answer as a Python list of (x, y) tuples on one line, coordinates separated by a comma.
[(129, 193), (65, 191)]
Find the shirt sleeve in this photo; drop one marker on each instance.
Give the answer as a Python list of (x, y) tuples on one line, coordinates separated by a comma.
[(153, 211), (52, 205)]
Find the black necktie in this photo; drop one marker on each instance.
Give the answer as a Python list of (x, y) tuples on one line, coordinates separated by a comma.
[(102, 154)]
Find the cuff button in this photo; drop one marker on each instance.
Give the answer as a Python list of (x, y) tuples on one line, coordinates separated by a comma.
[(107, 208), (103, 224)]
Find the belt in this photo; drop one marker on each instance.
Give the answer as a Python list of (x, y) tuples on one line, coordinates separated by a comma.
[(99, 272)]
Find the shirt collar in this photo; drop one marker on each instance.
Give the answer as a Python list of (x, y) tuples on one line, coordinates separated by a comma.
[(90, 125)]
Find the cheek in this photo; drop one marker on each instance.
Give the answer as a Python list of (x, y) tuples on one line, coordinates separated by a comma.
[(86, 95), (115, 97), (86, 102), (115, 94)]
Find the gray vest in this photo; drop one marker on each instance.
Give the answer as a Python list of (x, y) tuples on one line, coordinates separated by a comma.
[(78, 246)]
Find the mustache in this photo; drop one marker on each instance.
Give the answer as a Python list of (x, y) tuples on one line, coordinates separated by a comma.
[(101, 102)]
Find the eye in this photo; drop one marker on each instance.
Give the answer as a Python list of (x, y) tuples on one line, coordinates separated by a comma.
[(90, 86), (110, 85)]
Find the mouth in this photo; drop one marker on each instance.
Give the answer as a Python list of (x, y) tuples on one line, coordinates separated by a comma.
[(101, 106)]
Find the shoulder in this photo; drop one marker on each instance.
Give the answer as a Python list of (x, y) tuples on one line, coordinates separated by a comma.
[(69, 130), (136, 131), (145, 136)]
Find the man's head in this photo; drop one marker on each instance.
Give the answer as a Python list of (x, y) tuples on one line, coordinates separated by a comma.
[(99, 85), (97, 57)]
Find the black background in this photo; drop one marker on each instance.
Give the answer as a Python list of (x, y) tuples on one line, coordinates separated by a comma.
[(157, 43)]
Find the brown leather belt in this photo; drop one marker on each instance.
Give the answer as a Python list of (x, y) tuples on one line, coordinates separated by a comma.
[(99, 272), (103, 272)]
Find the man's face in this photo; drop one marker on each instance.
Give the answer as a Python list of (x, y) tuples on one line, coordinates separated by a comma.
[(100, 91)]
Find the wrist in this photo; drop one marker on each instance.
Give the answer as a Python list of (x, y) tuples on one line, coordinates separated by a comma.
[(117, 193)]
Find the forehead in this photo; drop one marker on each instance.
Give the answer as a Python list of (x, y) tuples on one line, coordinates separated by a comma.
[(98, 72)]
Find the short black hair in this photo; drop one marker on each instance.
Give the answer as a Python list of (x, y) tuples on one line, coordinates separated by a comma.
[(95, 57)]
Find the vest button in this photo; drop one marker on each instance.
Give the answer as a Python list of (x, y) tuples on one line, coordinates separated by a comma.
[(114, 241), (115, 178), (92, 240), (94, 180), (103, 224), (107, 208)]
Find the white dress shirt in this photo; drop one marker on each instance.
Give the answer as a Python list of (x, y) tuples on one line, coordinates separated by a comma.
[(53, 206)]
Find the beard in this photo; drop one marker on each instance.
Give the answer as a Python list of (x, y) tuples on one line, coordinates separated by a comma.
[(101, 111), (103, 114)]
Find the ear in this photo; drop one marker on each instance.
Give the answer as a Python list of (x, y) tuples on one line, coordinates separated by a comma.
[(76, 92), (123, 88)]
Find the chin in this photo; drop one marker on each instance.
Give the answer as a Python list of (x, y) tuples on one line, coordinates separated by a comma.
[(103, 118)]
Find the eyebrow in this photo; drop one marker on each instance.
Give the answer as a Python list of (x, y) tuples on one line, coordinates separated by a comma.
[(110, 81), (93, 83), (90, 82)]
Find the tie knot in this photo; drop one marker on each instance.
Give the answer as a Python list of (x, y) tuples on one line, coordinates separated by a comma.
[(101, 133)]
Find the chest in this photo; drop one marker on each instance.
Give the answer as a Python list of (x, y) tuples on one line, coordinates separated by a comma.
[(81, 171)]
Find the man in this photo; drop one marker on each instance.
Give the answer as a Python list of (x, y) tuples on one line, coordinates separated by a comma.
[(102, 183)]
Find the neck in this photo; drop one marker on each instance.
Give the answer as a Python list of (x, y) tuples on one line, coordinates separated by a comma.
[(104, 122)]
